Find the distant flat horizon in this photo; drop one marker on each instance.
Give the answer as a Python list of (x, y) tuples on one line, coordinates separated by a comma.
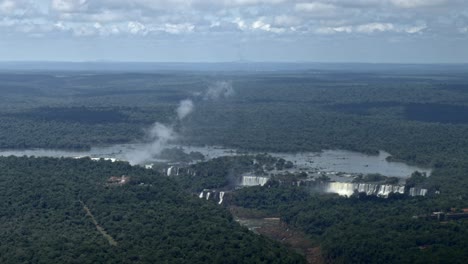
[(227, 66), (226, 62)]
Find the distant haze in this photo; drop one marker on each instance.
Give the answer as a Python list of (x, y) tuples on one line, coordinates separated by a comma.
[(222, 89)]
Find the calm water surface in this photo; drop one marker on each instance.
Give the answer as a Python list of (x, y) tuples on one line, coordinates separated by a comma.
[(327, 161)]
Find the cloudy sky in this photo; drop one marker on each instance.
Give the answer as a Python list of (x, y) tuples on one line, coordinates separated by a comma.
[(423, 31)]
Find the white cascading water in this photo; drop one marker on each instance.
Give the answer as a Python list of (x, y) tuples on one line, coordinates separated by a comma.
[(201, 195), (221, 196), (341, 188), (401, 189), (208, 195), (367, 188), (254, 181), (169, 171), (385, 190), (347, 189), (417, 192)]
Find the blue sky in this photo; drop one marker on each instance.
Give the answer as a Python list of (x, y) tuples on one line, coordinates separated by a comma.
[(397, 31)]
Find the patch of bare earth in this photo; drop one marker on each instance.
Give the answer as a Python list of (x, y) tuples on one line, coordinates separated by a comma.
[(274, 228)]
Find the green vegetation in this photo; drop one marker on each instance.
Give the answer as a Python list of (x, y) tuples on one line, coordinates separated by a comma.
[(366, 229), (178, 154), (419, 118), (397, 112), (224, 172), (149, 220)]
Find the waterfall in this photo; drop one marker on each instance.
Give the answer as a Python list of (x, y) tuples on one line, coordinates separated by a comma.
[(417, 192), (169, 170), (367, 188), (341, 188), (212, 194), (347, 188), (254, 181), (401, 189), (385, 190), (221, 196)]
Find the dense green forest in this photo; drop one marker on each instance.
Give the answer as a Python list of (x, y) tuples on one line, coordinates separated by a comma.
[(225, 172), (399, 112), (367, 229), (359, 229), (417, 116), (150, 218)]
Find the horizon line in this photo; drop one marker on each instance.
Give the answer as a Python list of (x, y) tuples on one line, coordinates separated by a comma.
[(229, 62)]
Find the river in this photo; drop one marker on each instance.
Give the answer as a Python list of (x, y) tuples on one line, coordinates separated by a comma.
[(331, 161)]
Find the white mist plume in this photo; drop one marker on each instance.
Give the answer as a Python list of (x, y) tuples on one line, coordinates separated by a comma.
[(185, 108), (161, 135), (219, 90)]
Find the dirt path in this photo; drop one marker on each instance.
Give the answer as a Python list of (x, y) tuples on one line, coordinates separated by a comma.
[(101, 230), (278, 230)]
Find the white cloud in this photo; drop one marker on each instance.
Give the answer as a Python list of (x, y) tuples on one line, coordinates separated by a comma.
[(7, 6), (301, 17), (315, 7), (178, 28), (60, 26), (69, 6), (372, 28), (223, 26), (261, 25), (241, 24), (107, 16), (415, 29), (135, 28), (17, 8), (286, 21), (417, 3), (334, 30), (375, 27), (249, 2), (345, 29)]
